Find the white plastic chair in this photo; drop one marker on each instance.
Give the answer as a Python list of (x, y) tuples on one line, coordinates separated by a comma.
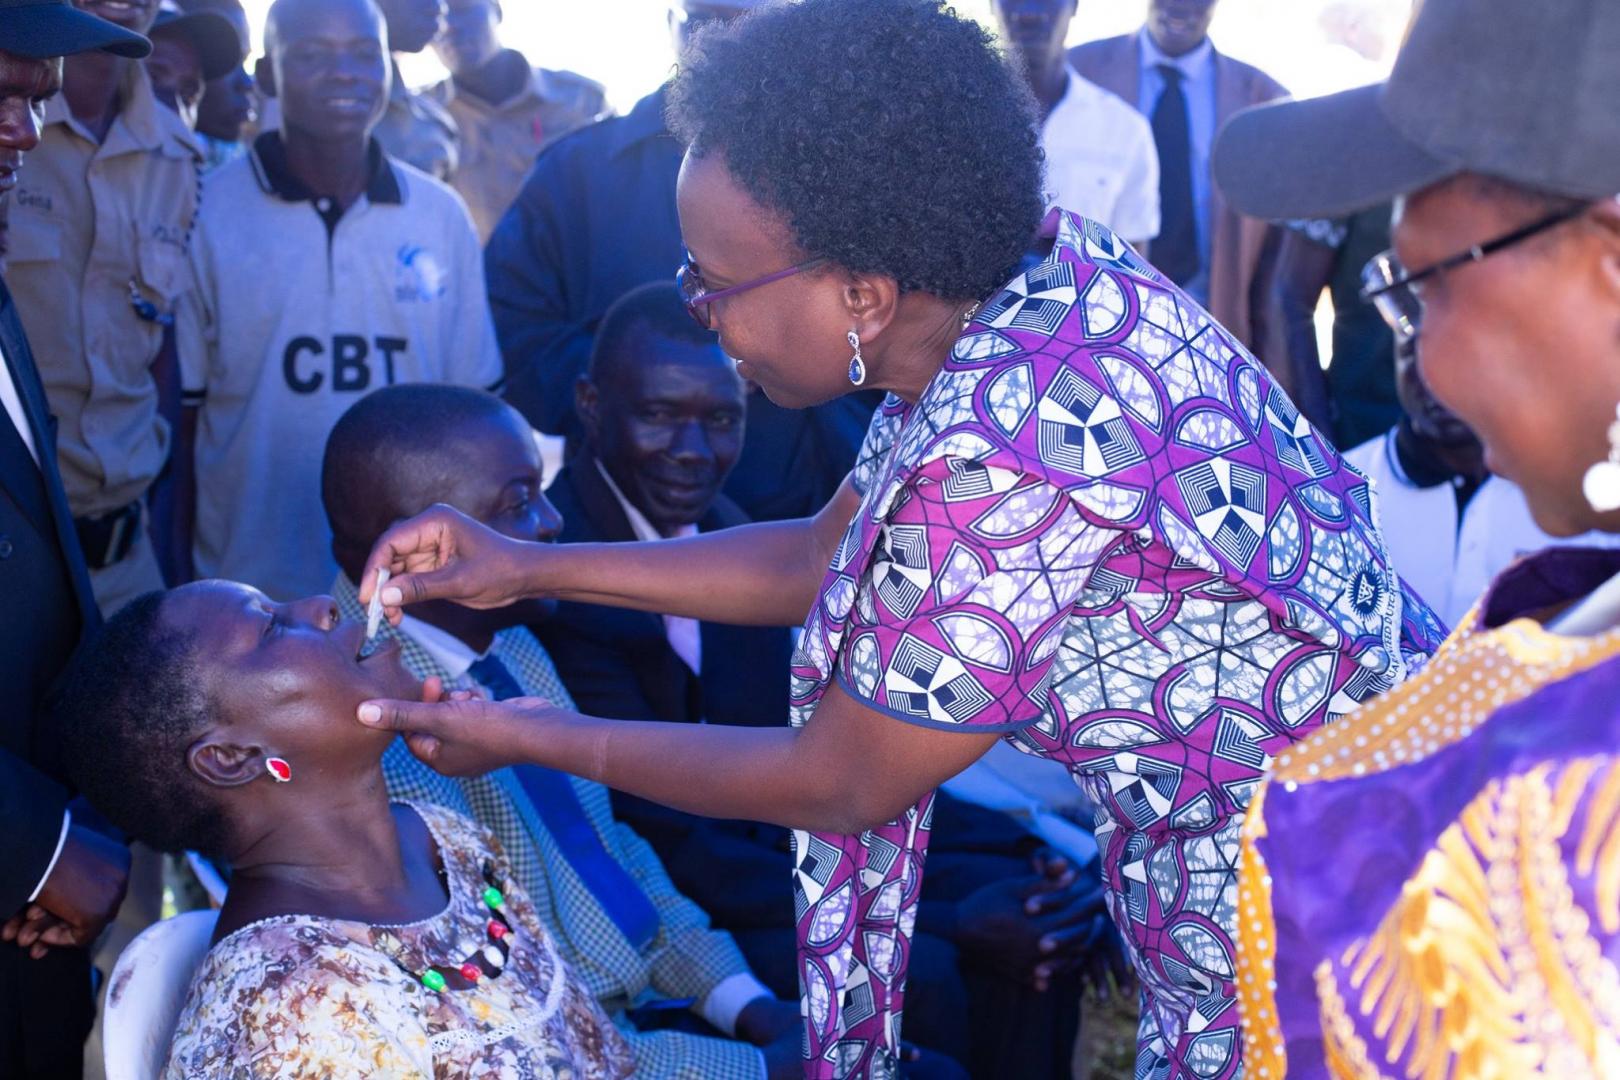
[(146, 992)]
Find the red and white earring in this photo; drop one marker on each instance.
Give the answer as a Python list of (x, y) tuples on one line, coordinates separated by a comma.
[(279, 770), (1601, 484)]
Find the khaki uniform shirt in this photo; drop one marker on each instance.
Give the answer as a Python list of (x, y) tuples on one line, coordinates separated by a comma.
[(417, 130), (97, 229), (499, 142)]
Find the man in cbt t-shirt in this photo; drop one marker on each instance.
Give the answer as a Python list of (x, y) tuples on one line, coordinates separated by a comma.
[(326, 269)]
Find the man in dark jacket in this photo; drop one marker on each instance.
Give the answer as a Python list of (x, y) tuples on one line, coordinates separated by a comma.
[(60, 882), (595, 219)]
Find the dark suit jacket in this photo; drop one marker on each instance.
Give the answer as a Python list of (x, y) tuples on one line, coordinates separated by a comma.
[(48, 607), (619, 664), (45, 1005), (1241, 248)]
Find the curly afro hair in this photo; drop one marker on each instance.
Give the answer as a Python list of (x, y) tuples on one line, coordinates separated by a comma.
[(129, 709), (891, 135)]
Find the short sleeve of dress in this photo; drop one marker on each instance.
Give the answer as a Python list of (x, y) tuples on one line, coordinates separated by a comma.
[(958, 616)]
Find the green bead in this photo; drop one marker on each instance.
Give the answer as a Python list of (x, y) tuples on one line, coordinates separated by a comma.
[(493, 897), (433, 981)]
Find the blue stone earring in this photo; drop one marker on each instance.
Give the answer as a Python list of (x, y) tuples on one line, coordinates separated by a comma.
[(857, 366)]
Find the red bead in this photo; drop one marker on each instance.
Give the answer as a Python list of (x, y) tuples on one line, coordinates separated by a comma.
[(471, 972), (497, 929)]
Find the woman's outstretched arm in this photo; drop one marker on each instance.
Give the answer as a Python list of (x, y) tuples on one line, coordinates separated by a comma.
[(850, 768), (752, 575)]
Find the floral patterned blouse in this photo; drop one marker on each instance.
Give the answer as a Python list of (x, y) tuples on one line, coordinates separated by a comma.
[(1102, 531), (296, 996)]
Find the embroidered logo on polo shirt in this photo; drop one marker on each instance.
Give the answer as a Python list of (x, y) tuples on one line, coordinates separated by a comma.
[(418, 275)]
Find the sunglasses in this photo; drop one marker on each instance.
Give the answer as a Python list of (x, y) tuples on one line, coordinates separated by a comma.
[(1392, 289), (700, 299)]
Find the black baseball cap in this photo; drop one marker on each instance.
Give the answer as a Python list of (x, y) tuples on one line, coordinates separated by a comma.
[(218, 45), (42, 29), (1526, 91)]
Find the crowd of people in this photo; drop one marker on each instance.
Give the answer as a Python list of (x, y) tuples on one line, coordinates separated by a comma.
[(744, 481)]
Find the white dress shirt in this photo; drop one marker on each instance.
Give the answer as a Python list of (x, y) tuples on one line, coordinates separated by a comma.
[(1100, 160), (685, 635), (1449, 563), (14, 407)]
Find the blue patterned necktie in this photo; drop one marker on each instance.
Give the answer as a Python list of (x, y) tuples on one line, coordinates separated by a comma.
[(559, 808), (1175, 250)]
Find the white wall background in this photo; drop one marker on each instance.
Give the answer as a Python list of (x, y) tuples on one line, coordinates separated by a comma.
[(1313, 46)]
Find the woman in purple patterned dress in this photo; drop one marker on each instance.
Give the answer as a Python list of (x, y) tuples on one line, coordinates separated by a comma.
[(1084, 521)]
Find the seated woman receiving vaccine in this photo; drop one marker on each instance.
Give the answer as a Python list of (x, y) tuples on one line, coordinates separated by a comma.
[(359, 937)]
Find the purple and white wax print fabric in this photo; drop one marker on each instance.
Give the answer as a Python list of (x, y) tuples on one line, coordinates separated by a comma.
[(1103, 531)]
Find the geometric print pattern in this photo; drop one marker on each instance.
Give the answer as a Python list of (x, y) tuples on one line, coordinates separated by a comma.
[(1104, 532)]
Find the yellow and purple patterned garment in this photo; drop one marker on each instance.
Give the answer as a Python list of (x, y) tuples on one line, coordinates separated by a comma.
[(301, 997), (1102, 531), (1431, 887)]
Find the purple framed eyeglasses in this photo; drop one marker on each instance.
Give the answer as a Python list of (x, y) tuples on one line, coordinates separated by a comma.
[(700, 298)]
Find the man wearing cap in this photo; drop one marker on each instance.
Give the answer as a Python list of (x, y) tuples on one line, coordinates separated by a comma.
[(1175, 76), (595, 219), (506, 111), (99, 227), (60, 882), (230, 103), (189, 50), (1431, 886)]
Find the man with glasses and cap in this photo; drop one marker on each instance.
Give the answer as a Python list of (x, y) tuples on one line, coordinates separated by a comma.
[(1432, 886), (60, 882)]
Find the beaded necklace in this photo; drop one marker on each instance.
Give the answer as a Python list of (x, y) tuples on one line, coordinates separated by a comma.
[(482, 961)]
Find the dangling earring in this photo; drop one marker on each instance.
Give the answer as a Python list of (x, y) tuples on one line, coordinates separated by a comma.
[(1602, 482), (857, 366), (279, 770)]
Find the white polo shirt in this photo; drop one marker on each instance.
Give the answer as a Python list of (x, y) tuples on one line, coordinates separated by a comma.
[(1100, 160), (304, 310), (1447, 561)]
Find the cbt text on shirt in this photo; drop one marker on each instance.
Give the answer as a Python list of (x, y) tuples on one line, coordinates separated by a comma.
[(302, 310)]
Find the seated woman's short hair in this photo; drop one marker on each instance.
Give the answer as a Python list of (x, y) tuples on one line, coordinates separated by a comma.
[(128, 710), (891, 135)]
